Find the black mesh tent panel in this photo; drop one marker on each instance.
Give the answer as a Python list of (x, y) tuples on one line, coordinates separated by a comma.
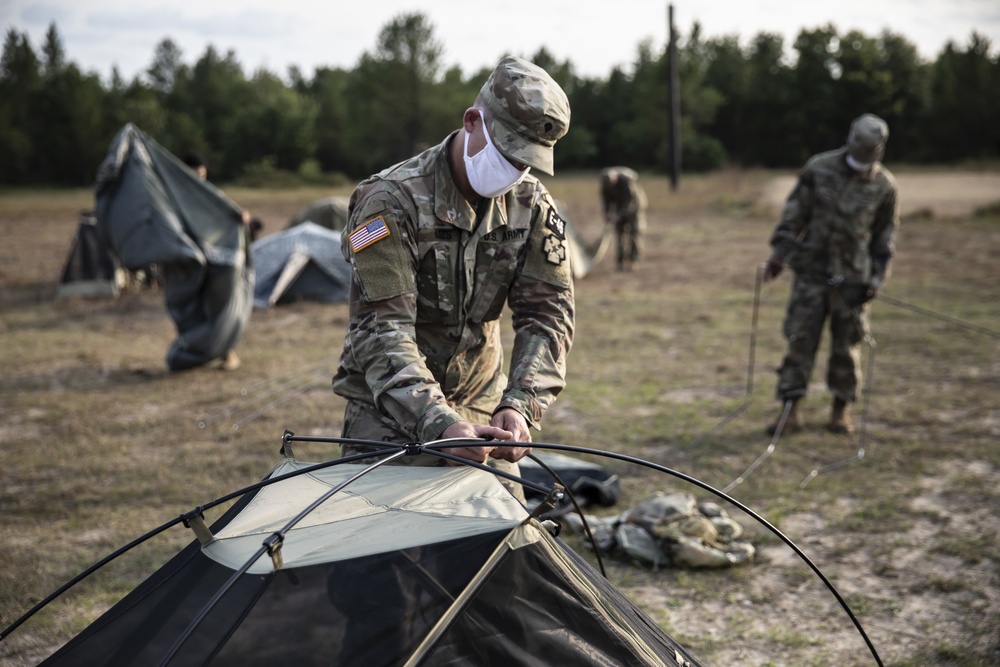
[(543, 605), (141, 628), (371, 611), (508, 594)]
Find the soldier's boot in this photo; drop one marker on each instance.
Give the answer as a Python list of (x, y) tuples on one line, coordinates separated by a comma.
[(230, 362), (840, 418), (793, 424)]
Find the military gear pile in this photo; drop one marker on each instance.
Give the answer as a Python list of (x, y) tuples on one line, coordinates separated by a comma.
[(671, 530)]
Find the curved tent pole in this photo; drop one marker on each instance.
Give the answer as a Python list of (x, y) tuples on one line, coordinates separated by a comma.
[(188, 516), (429, 448), (272, 546), (273, 543)]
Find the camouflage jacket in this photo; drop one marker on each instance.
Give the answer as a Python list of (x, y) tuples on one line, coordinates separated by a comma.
[(428, 293), (625, 197), (838, 222)]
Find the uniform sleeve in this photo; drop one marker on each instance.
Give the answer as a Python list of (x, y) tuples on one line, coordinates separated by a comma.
[(381, 334), (882, 246), (795, 215), (632, 207), (543, 316)]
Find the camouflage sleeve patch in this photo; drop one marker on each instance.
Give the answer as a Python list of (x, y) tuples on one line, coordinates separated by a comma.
[(548, 252), (380, 258)]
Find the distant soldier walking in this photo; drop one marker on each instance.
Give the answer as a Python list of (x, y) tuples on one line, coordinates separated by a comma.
[(837, 234), (624, 203)]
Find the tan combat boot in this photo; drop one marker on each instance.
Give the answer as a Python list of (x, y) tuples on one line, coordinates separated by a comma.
[(840, 420), (794, 422)]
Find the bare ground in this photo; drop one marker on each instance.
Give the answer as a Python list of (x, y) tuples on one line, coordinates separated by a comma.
[(907, 535)]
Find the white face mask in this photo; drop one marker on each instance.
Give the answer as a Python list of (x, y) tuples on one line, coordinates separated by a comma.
[(490, 173), (857, 166)]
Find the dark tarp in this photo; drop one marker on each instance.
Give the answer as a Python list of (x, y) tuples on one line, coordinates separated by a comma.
[(90, 270), (153, 209), (300, 263)]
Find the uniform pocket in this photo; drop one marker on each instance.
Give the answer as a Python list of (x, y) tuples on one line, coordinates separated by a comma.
[(495, 264), (437, 284)]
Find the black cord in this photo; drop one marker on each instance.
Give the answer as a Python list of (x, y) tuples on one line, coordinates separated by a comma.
[(939, 316)]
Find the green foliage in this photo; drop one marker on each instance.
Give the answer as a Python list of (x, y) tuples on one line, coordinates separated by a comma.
[(753, 104)]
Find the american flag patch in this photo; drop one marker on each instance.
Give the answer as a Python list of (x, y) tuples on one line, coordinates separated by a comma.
[(362, 237)]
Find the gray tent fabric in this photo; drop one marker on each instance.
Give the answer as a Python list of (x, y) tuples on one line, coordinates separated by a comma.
[(300, 263), (152, 209), (329, 212), (583, 256), (90, 269)]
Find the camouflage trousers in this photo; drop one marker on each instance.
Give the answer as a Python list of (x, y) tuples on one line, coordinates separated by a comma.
[(364, 422), (628, 237), (811, 304)]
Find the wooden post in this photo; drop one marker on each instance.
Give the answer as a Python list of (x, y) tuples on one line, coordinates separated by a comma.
[(674, 97)]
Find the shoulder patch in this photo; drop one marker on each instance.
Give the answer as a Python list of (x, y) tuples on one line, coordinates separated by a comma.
[(374, 230), (556, 224), (554, 249)]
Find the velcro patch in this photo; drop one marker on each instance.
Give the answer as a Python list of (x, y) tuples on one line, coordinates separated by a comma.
[(554, 249), (556, 224), (374, 230)]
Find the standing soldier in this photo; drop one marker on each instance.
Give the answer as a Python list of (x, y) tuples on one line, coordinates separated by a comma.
[(438, 245), (624, 204), (837, 234)]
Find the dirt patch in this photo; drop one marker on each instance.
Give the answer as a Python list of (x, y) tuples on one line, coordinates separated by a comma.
[(101, 443)]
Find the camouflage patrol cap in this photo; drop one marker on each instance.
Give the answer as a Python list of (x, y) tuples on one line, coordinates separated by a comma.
[(530, 112), (866, 140)]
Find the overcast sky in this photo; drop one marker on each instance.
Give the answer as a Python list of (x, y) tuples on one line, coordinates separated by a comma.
[(594, 36)]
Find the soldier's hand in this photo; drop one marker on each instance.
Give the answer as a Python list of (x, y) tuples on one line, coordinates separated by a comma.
[(477, 453), (513, 421), (773, 267)]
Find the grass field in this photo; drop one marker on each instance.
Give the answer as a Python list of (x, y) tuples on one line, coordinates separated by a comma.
[(101, 444)]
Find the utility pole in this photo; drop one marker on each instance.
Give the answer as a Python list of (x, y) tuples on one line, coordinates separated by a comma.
[(674, 98)]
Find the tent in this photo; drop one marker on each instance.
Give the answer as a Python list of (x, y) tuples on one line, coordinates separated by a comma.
[(329, 212), (347, 564), (90, 270), (153, 209), (583, 256), (300, 263)]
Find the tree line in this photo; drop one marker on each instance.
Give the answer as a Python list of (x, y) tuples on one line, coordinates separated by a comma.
[(746, 104)]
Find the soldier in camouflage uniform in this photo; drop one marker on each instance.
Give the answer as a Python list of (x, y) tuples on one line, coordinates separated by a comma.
[(439, 244), (624, 203), (837, 234)]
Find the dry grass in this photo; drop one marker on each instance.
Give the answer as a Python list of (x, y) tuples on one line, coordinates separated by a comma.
[(101, 444)]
